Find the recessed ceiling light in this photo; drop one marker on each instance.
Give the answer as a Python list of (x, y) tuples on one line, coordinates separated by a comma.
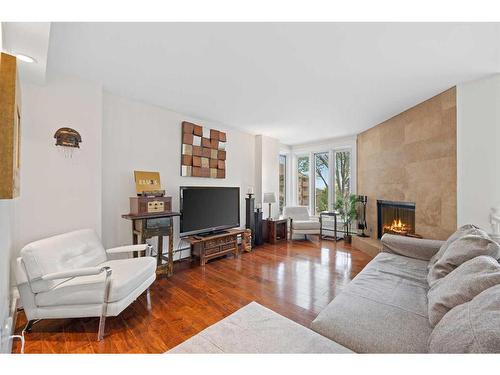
[(25, 58)]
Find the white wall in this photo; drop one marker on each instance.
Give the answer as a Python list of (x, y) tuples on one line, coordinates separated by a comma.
[(267, 152), (5, 250), (59, 194), (138, 136), (6, 240), (478, 150)]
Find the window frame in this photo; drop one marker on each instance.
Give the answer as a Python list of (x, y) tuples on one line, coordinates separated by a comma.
[(334, 169), (285, 182), (332, 163), (296, 179), (329, 180)]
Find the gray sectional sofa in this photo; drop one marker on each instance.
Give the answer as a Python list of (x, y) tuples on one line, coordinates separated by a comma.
[(416, 296), (385, 308)]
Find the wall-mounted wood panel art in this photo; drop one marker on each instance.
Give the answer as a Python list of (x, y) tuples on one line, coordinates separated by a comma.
[(203, 152), (10, 123)]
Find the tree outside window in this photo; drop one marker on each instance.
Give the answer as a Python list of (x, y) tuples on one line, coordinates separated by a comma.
[(321, 181), (342, 175)]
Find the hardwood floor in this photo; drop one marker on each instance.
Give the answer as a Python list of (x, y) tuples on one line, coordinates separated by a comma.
[(296, 279)]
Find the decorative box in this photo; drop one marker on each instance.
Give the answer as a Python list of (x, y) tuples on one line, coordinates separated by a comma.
[(150, 205)]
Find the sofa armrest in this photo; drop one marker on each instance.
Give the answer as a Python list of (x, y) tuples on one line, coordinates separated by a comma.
[(130, 248), (87, 271), (410, 247)]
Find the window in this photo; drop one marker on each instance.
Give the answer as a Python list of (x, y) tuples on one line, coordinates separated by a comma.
[(326, 176), (342, 174), (282, 173), (303, 181), (321, 182)]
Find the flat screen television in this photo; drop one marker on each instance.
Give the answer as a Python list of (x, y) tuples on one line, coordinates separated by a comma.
[(207, 210)]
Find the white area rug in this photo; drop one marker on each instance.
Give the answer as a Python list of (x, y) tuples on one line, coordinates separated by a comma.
[(256, 329)]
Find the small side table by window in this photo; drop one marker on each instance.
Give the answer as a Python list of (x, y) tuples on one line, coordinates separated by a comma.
[(321, 229), (275, 230)]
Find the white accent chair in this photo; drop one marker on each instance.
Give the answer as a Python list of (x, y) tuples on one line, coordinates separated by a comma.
[(72, 276), (301, 222)]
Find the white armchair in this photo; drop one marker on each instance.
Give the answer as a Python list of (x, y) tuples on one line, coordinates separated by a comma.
[(301, 222), (71, 276)]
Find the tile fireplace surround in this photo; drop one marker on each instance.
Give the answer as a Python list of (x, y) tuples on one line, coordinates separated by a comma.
[(412, 158)]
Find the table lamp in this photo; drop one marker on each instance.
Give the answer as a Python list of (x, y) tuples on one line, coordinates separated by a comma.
[(269, 198)]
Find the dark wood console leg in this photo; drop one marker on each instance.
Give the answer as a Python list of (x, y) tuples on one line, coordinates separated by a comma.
[(170, 269), (159, 251)]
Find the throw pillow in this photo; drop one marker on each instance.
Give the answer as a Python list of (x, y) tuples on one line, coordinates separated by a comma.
[(461, 285), (460, 251), (462, 231), (471, 327)]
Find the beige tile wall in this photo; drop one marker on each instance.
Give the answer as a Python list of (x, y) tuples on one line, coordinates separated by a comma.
[(412, 157)]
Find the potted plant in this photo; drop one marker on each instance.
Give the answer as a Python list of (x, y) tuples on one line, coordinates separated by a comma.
[(346, 207)]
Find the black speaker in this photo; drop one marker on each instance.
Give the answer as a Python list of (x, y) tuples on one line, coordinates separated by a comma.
[(249, 215), (250, 207), (257, 234)]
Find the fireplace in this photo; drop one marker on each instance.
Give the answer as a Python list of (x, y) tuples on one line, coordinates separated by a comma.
[(396, 218)]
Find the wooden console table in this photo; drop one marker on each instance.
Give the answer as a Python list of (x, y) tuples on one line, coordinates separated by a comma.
[(215, 246), (275, 230), (161, 224)]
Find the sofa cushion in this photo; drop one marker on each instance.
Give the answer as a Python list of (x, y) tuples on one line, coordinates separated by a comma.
[(256, 329), (461, 285), (305, 225), (409, 246), (64, 252), (460, 251), (472, 327), (460, 232), (382, 310), (127, 275)]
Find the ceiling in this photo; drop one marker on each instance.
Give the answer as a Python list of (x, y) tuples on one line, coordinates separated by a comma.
[(297, 82), (32, 39)]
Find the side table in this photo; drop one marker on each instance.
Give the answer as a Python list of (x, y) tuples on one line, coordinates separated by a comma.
[(146, 226), (275, 230), (331, 214)]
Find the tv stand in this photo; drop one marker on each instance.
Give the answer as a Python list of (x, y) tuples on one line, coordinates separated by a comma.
[(210, 234), (215, 245)]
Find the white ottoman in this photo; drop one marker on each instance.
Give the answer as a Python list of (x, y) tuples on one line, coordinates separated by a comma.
[(256, 329)]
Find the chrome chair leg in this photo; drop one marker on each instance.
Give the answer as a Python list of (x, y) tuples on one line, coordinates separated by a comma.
[(102, 325), (148, 299), (102, 320)]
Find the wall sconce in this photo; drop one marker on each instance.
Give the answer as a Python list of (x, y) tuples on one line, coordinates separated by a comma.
[(69, 139)]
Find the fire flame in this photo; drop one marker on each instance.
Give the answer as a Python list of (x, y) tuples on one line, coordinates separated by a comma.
[(397, 226)]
